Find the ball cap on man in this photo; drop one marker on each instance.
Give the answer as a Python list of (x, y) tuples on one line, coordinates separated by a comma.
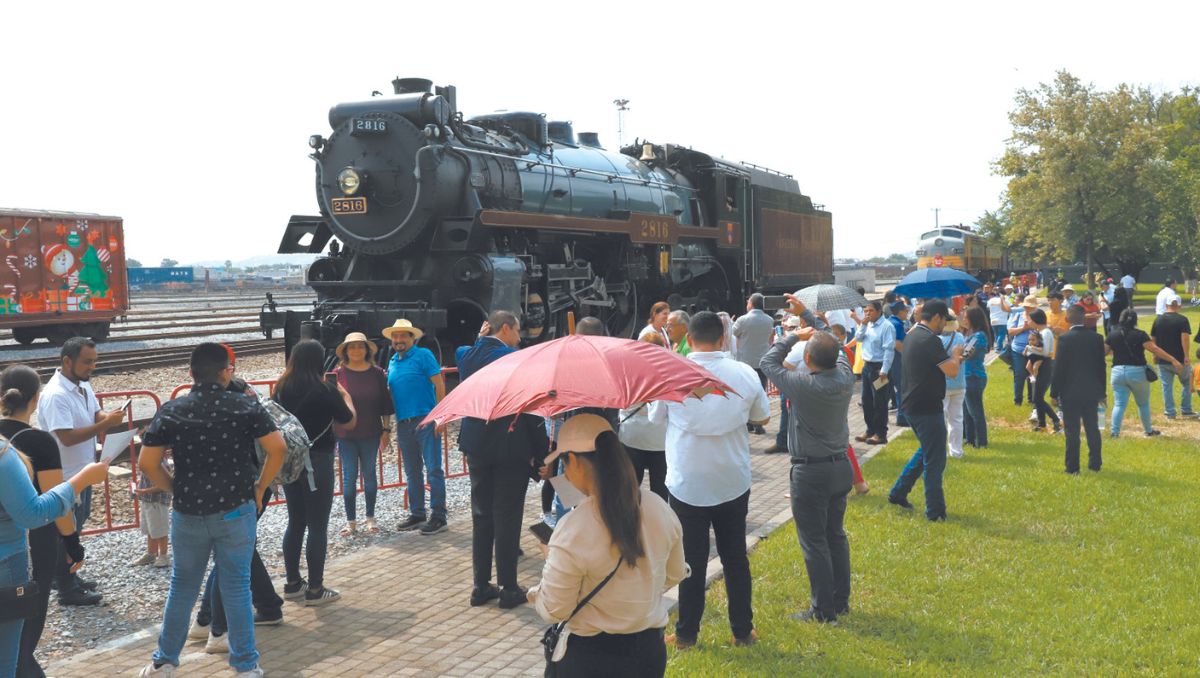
[(898, 307), (935, 307), (1174, 301)]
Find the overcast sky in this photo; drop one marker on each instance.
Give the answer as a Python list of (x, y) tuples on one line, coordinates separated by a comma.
[(192, 124)]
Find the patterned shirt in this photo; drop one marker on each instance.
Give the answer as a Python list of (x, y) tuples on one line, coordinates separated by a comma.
[(211, 432)]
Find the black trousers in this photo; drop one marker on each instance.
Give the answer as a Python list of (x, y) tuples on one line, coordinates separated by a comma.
[(1075, 411), (819, 507), (875, 403), (1044, 411), (43, 556), (497, 505), (656, 463), (630, 655), (728, 523), (308, 511)]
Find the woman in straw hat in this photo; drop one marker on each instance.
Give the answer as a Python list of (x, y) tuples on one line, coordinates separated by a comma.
[(359, 445), (622, 544)]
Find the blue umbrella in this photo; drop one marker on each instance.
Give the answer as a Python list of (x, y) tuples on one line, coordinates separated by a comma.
[(936, 283)]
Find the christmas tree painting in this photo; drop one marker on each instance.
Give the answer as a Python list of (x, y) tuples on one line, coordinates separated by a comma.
[(92, 273)]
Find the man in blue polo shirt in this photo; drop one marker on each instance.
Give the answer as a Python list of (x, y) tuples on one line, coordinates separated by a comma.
[(416, 383)]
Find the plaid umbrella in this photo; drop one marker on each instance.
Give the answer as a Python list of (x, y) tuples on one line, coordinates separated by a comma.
[(830, 298)]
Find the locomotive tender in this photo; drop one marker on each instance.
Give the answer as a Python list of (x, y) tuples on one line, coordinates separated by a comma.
[(961, 248), (438, 218)]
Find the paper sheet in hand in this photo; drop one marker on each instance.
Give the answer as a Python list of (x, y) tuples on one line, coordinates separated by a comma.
[(115, 443), (567, 493)]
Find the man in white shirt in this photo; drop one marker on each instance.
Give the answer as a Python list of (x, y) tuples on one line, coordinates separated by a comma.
[(708, 476), (1160, 301), (1128, 282), (68, 409)]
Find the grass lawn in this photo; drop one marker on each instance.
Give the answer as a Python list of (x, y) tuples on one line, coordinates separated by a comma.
[(1035, 572)]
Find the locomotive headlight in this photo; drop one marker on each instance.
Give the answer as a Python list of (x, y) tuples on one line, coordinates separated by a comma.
[(349, 181)]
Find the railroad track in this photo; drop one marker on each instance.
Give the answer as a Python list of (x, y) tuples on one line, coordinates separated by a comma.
[(125, 361)]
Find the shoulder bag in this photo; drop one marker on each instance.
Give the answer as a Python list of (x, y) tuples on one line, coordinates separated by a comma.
[(20, 601), (550, 638), (1151, 375)]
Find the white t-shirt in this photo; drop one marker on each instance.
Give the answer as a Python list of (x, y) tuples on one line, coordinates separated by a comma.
[(840, 317), (997, 314), (708, 446), (637, 431), (795, 357), (1160, 302), (65, 405)]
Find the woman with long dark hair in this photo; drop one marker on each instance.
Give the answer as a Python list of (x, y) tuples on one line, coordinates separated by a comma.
[(29, 501), (978, 332), (1128, 346), (303, 391), (621, 543)]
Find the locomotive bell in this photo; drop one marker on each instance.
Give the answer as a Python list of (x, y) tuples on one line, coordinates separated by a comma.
[(648, 153)]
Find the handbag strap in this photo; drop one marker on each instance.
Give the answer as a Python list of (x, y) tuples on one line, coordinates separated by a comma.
[(588, 598), (1125, 338)]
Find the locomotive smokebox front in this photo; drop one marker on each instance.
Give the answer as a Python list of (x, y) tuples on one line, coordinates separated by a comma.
[(381, 177)]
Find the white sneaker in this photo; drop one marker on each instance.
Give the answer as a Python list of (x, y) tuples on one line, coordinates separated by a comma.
[(162, 560), (255, 672), (197, 632), (148, 671), (217, 644), (146, 559), (1033, 415)]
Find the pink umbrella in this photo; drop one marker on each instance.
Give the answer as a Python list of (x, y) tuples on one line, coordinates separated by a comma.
[(572, 372)]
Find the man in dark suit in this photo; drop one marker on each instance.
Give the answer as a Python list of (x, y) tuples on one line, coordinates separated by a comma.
[(502, 455), (1079, 386)]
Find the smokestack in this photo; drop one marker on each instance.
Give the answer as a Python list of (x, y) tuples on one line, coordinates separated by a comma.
[(590, 139), (412, 86)]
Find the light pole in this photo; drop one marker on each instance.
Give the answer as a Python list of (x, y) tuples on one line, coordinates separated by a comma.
[(622, 106), (935, 216)]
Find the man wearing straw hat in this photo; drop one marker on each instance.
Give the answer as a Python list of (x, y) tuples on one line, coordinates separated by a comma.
[(416, 383)]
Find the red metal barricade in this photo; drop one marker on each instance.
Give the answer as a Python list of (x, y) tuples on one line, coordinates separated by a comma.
[(109, 525)]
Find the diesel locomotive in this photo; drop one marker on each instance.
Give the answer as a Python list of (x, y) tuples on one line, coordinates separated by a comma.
[(961, 248), (440, 218)]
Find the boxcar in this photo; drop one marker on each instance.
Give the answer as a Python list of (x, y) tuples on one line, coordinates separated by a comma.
[(63, 275)]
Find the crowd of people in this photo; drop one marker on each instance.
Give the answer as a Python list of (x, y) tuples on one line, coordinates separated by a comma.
[(213, 458)]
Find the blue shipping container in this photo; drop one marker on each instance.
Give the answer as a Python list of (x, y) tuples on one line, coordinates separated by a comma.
[(157, 275)]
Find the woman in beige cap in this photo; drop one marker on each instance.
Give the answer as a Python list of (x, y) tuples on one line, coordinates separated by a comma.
[(359, 445), (622, 547)]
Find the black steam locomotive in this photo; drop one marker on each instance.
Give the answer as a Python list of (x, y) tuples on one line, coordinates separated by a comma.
[(439, 218)]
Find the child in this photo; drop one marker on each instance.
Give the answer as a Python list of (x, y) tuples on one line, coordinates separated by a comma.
[(1034, 356), (155, 519)]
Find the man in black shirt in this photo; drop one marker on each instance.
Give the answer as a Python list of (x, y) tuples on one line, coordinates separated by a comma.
[(1173, 334), (926, 367), (217, 490)]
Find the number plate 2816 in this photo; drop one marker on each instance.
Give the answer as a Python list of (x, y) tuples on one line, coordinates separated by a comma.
[(354, 205)]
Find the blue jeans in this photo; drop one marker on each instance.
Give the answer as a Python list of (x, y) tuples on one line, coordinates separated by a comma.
[(974, 419), (229, 538), (422, 455), (1001, 334), (1126, 380), (1166, 375), (1021, 383), (929, 461), (356, 455), (14, 570)]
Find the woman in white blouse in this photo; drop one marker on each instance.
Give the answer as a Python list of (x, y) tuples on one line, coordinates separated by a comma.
[(618, 529), (657, 323)]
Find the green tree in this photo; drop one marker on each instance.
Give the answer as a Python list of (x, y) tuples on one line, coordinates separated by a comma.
[(92, 273), (1175, 178), (168, 263), (133, 263)]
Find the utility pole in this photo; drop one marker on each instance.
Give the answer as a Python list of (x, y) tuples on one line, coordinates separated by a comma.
[(622, 106), (936, 224)]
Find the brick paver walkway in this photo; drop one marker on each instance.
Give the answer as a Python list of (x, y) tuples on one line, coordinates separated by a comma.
[(404, 608)]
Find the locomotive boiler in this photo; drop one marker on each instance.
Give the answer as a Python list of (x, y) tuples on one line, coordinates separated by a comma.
[(440, 218)]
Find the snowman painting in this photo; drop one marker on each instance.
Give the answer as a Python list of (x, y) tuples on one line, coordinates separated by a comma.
[(61, 263)]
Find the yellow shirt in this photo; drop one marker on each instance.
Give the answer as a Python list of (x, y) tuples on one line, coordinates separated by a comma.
[(1057, 322), (581, 556)]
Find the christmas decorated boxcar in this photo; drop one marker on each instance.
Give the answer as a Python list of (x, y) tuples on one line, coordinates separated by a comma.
[(63, 275)]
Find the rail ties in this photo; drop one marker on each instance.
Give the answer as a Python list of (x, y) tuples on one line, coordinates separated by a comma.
[(125, 361)]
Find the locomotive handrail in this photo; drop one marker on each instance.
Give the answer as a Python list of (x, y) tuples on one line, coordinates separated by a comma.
[(575, 170)]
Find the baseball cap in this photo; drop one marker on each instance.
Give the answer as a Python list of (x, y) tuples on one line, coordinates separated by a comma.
[(935, 307), (1068, 287), (1009, 286), (1174, 300), (898, 306)]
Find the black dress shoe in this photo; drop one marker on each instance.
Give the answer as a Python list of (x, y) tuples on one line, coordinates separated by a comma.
[(480, 595), (87, 584), (900, 501), (512, 596), (939, 518), (812, 615), (775, 449), (79, 597)]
